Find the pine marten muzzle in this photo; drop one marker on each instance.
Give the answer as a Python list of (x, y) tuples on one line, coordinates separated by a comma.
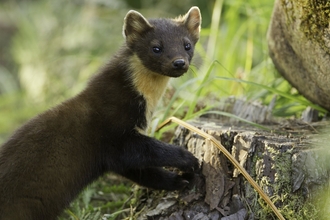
[(52, 157)]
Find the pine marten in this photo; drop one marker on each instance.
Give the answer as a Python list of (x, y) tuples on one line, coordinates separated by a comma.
[(55, 155)]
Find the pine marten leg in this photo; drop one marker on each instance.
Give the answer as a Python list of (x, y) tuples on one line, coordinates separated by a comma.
[(139, 151), (158, 178)]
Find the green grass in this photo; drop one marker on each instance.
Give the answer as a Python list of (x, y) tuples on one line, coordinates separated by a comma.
[(235, 63), (108, 197), (57, 46)]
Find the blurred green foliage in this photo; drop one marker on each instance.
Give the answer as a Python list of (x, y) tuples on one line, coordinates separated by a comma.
[(49, 49)]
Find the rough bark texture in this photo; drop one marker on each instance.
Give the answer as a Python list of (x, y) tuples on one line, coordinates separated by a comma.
[(283, 164), (299, 45)]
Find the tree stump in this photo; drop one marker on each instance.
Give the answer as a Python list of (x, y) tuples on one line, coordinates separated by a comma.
[(284, 163)]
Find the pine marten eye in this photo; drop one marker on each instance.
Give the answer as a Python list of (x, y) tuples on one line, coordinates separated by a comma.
[(187, 46), (156, 49)]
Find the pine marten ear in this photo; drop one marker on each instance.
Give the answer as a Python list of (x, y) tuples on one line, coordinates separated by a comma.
[(135, 25), (192, 20)]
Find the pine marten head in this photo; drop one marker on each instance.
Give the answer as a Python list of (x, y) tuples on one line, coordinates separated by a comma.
[(164, 46)]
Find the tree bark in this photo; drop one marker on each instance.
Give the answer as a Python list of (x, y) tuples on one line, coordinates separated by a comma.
[(284, 164)]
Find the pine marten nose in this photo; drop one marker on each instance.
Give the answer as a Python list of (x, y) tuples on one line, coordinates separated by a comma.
[(178, 63)]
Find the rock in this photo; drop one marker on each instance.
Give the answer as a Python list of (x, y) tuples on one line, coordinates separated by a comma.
[(299, 45)]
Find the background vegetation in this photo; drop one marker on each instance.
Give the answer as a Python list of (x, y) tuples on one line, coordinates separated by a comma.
[(49, 49)]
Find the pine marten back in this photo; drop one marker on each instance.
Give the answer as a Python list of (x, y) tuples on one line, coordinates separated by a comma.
[(51, 158)]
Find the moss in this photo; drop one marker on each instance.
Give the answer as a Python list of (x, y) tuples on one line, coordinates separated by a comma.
[(277, 183), (314, 16)]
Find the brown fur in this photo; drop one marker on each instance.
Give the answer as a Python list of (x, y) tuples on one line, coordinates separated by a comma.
[(52, 157)]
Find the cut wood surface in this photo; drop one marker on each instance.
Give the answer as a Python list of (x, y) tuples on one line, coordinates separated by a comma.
[(282, 160)]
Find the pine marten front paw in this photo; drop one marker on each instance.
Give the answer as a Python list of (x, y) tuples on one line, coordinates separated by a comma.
[(184, 180), (190, 163)]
